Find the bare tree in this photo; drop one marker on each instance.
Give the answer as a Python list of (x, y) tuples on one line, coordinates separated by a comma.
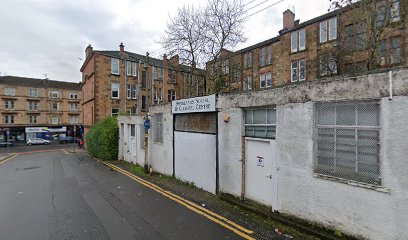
[(224, 24), (374, 22), (184, 35)]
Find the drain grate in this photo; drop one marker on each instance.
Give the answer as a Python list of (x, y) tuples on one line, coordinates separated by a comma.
[(258, 235)]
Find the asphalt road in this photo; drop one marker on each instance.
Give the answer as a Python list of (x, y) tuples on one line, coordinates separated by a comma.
[(58, 195), (21, 147)]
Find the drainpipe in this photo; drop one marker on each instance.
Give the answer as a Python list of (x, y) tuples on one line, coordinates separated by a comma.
[(390, 83), (138, 90)]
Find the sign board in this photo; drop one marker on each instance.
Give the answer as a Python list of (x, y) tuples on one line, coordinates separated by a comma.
[(193, 105), (260, 161), (146, 124), (45, 129)]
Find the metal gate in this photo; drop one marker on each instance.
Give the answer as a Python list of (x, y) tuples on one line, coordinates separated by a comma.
[(195, 142)]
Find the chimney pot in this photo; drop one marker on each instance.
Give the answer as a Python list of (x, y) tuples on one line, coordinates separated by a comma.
[(88, 50), (288, 19), (122, 47)]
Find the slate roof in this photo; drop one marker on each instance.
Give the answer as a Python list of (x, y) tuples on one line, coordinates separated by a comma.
[(39, 83), (152, 61)]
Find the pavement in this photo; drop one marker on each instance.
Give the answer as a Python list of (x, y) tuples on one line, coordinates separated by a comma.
[(56, 194)]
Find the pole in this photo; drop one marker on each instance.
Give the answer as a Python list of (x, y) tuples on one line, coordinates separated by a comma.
[(74, 139), (146, 162)]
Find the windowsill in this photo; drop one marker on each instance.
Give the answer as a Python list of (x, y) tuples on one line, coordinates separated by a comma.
[(352, 183), (115, 74), (266, 65), (328, 41), (300, 51)]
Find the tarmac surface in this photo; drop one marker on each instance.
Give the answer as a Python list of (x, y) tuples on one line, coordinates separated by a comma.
[(54, 194)]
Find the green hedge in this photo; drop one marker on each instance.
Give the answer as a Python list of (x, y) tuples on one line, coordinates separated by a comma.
[(102, 140)]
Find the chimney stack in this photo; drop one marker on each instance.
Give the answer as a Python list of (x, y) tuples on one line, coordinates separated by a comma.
[(122, 47), (288, 19), (88, 51)]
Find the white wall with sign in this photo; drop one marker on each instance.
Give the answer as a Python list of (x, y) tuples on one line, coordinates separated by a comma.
[(194, 105)]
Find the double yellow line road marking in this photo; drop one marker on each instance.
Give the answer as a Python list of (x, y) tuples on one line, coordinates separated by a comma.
[(239, 230)]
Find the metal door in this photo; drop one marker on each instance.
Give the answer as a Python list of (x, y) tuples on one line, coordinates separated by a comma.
[(195, 149), (260, 177)]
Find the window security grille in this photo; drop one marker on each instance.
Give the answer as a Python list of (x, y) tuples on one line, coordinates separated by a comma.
[(348, 136)]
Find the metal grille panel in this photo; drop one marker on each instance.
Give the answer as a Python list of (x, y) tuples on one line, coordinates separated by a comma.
[(348, 136)]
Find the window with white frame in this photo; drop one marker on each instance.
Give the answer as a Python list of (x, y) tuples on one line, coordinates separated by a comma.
[(32, 119), (134, 65), (8, 119), (128, 91), (298, 70), (159, 73), (54, 94), (328, 30), (158, 134), (269, 55), (33, 92), (265, 80), (298, 40), (128, 68), (262, 57), (114, 111), (73, 95), (260, 123), (32, 105), (248, 83), (395, 11), (134, 91), (73, 118), (9, 104), (9, 91), (114, 66), (248, 60), (115, 90), (265, 56), (73, 107), (348, 137), (225, 66), (171, 95), (54, 120), (54, 106)]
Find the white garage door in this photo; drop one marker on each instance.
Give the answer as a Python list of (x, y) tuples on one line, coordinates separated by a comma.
[(195, 142)]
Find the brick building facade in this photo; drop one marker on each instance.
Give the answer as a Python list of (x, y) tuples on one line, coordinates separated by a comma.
[(39, 108), (337, 43), (119, 82)]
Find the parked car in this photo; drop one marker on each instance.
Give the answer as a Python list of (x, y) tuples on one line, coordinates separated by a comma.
[(67, 139), (5, 144), (33, 141)]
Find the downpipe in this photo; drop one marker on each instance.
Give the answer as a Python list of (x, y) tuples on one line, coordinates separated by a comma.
[(390, 84)]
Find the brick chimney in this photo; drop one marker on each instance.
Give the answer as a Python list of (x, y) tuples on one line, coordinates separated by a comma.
[(175, 60), (88, 51), (122, 47), (288, 19), (165, 60)]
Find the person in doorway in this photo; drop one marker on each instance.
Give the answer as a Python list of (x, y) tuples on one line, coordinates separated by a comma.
[(81, 143)]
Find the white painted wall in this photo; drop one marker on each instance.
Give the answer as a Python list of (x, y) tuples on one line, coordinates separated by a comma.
[(230, 150), (161, 154), (357, 210), (353, 209), (124, 144)]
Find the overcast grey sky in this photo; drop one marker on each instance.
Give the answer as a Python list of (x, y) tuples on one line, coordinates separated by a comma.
[(50, 36)]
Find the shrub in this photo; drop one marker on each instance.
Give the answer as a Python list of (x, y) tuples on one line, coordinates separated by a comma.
[(102, 139)]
